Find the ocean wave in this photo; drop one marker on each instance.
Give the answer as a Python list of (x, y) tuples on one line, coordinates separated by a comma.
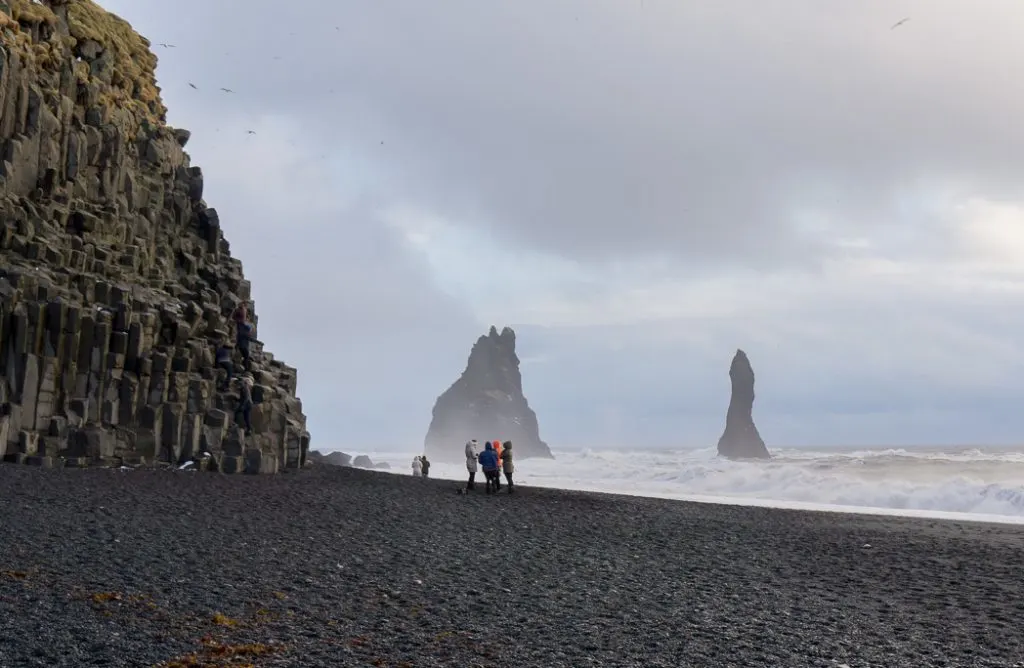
[(969, 480)]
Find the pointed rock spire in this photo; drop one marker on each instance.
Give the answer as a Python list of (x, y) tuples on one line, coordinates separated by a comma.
[(740, 439)]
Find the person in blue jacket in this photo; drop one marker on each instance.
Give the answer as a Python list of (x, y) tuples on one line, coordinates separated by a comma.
[(489, 463)]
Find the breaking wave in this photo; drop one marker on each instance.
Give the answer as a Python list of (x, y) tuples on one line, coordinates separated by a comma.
[(914, 481)]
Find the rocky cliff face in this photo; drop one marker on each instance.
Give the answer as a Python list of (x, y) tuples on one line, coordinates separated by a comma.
[(115, 279), (740, 439), (486, 403)]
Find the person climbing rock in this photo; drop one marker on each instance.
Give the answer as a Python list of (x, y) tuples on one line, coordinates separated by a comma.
[(223, 361), (245, 402), (489, 464), (425, 464), (471, 454), (506, 463), (417, 466), (243, 338), (241, 314)]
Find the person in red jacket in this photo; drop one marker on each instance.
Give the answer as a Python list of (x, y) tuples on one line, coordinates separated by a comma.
[(496, 446)]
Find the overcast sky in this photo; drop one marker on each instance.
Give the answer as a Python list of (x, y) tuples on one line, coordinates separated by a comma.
[(638, 187)]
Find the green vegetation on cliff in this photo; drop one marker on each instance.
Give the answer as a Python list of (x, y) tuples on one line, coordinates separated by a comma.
[(69, 28)]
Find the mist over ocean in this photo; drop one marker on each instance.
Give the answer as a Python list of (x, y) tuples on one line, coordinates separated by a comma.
[(985, 483)]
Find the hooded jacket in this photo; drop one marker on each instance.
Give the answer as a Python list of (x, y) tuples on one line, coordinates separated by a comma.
[(488, 459), (471, 456), (506, 458)]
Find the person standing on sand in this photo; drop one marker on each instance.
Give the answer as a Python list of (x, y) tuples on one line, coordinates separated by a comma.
[(489, 464), (425, 464), (497, 453), (471, 448), (417, 466), (506, 463)]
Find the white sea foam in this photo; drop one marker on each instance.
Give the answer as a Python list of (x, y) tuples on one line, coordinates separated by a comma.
[(969, 483)]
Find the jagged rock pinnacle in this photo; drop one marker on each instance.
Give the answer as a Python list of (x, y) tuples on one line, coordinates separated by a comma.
[(486, 403)]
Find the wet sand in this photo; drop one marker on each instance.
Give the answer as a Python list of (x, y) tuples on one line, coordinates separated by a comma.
[(342, 567)]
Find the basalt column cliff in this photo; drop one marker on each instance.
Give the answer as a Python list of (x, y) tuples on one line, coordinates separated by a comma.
[(486, 403), (740, 439), (115, 280)]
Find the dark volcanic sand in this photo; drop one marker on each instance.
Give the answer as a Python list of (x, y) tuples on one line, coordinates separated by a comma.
[(340, 567)]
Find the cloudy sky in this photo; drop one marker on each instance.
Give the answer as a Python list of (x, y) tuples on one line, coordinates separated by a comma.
[(638, 187)]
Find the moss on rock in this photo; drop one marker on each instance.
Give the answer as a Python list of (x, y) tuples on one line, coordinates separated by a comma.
[(56, 31), (27, 11)]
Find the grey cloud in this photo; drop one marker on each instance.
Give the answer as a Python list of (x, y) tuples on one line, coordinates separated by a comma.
[(598, 130), (692, 130)]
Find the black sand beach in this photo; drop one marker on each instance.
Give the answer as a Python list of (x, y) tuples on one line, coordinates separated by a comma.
[(341, 567)]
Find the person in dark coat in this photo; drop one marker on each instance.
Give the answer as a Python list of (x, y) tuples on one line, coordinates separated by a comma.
[(245, 336), (506, 463), (489, 464), (223, 361)]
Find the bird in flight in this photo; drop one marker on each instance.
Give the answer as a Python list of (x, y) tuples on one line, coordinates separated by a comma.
[(227, 90), (193, 85), (899, 23), (251, 132), (167, 46)]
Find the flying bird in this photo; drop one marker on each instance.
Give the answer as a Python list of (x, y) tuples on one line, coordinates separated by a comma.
[(227, 90), (167, 46), (251, 132), (193, 85), (899, 23)]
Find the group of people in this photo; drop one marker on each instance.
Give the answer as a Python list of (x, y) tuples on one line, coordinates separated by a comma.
[(494, 459), (245, 334), (421, 466)]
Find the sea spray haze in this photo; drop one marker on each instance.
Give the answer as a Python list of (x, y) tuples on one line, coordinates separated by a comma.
[(904, 481)]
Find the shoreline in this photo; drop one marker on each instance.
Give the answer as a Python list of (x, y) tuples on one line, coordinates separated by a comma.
[(778, 504), (338, 566)]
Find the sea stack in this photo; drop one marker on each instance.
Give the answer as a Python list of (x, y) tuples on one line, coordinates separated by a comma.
[(740, 439), (116, 282), (486, 403)]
